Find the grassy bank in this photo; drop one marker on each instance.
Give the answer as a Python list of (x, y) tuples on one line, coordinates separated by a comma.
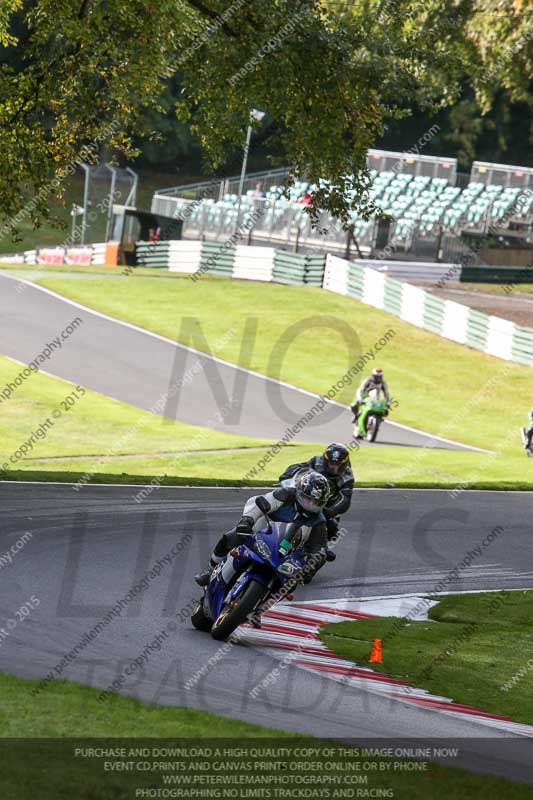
[(374, 466), (90, 426), (310, 337), (59, 231), (34, 271), (475, 650), (98, 439), (67, 711)]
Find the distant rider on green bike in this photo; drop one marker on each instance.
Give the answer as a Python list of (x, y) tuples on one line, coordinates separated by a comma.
[(375, 381)]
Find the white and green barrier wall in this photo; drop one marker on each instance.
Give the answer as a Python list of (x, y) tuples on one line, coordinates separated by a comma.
[(236, 261), (492, 335)]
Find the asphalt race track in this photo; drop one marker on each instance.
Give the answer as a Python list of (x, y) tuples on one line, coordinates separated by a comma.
[(89, 548), (138, 367)]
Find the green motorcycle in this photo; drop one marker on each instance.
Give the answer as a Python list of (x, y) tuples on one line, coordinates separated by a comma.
[(373, 410)]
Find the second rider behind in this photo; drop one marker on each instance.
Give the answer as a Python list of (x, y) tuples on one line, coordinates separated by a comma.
[(334, 464)]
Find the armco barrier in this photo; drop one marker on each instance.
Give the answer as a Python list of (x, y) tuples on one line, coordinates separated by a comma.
[(442, 274), (51, 255), (493, 335), (12, 258), (502, 275)]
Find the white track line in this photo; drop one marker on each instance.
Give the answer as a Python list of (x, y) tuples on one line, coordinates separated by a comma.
[(267, 486)]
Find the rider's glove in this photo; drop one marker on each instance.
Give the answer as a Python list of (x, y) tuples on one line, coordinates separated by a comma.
[(245, 525)]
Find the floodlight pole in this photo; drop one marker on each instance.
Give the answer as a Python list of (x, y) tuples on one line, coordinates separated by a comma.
[(132, 197), (87, 169), (258, 116), (111, 200)]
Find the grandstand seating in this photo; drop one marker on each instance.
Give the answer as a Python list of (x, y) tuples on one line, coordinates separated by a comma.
[(414, 202)]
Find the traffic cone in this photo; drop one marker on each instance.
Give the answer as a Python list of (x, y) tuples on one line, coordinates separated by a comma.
[(376, 655)]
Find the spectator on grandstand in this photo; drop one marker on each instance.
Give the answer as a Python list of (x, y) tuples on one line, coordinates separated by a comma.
[(260, 192), (306, 199)]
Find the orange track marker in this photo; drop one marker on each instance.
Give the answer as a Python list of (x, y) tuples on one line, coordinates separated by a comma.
[(376, 654)]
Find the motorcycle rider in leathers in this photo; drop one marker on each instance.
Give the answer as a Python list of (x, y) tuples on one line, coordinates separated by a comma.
[(304, 501)]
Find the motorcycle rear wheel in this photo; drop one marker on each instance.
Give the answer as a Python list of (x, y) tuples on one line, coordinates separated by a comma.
[(236, 612)]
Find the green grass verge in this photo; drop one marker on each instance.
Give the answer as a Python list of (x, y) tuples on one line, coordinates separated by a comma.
[(67, 710), (473, 646), (110, 441), (381, 467), (36, 270), (94, 427), (103, 440), (427, 374)]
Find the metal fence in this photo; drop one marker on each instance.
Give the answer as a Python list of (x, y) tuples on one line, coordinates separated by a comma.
[(217, 187), (380, 160), (260, 221), (429, 166), (281, 223), (502, 175)]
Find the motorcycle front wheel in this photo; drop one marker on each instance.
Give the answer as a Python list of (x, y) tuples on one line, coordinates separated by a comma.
[(198, 618), (372, 426), (235, 613)]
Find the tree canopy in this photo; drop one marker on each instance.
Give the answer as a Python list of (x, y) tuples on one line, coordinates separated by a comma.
[(76, 75)]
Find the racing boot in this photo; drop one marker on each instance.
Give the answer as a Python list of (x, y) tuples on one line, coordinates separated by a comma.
[(203, 578)]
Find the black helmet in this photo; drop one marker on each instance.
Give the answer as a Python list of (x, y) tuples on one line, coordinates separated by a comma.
[(336, 457), (312, 492)]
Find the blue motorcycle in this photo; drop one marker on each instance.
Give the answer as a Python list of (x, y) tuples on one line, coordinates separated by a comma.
[(241, 585)]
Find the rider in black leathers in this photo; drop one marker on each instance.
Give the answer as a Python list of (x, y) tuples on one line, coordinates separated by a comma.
[(529, 432), (334, 464)]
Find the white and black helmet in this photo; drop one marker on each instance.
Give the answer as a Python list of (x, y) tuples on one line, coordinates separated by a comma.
[(312, 492)]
